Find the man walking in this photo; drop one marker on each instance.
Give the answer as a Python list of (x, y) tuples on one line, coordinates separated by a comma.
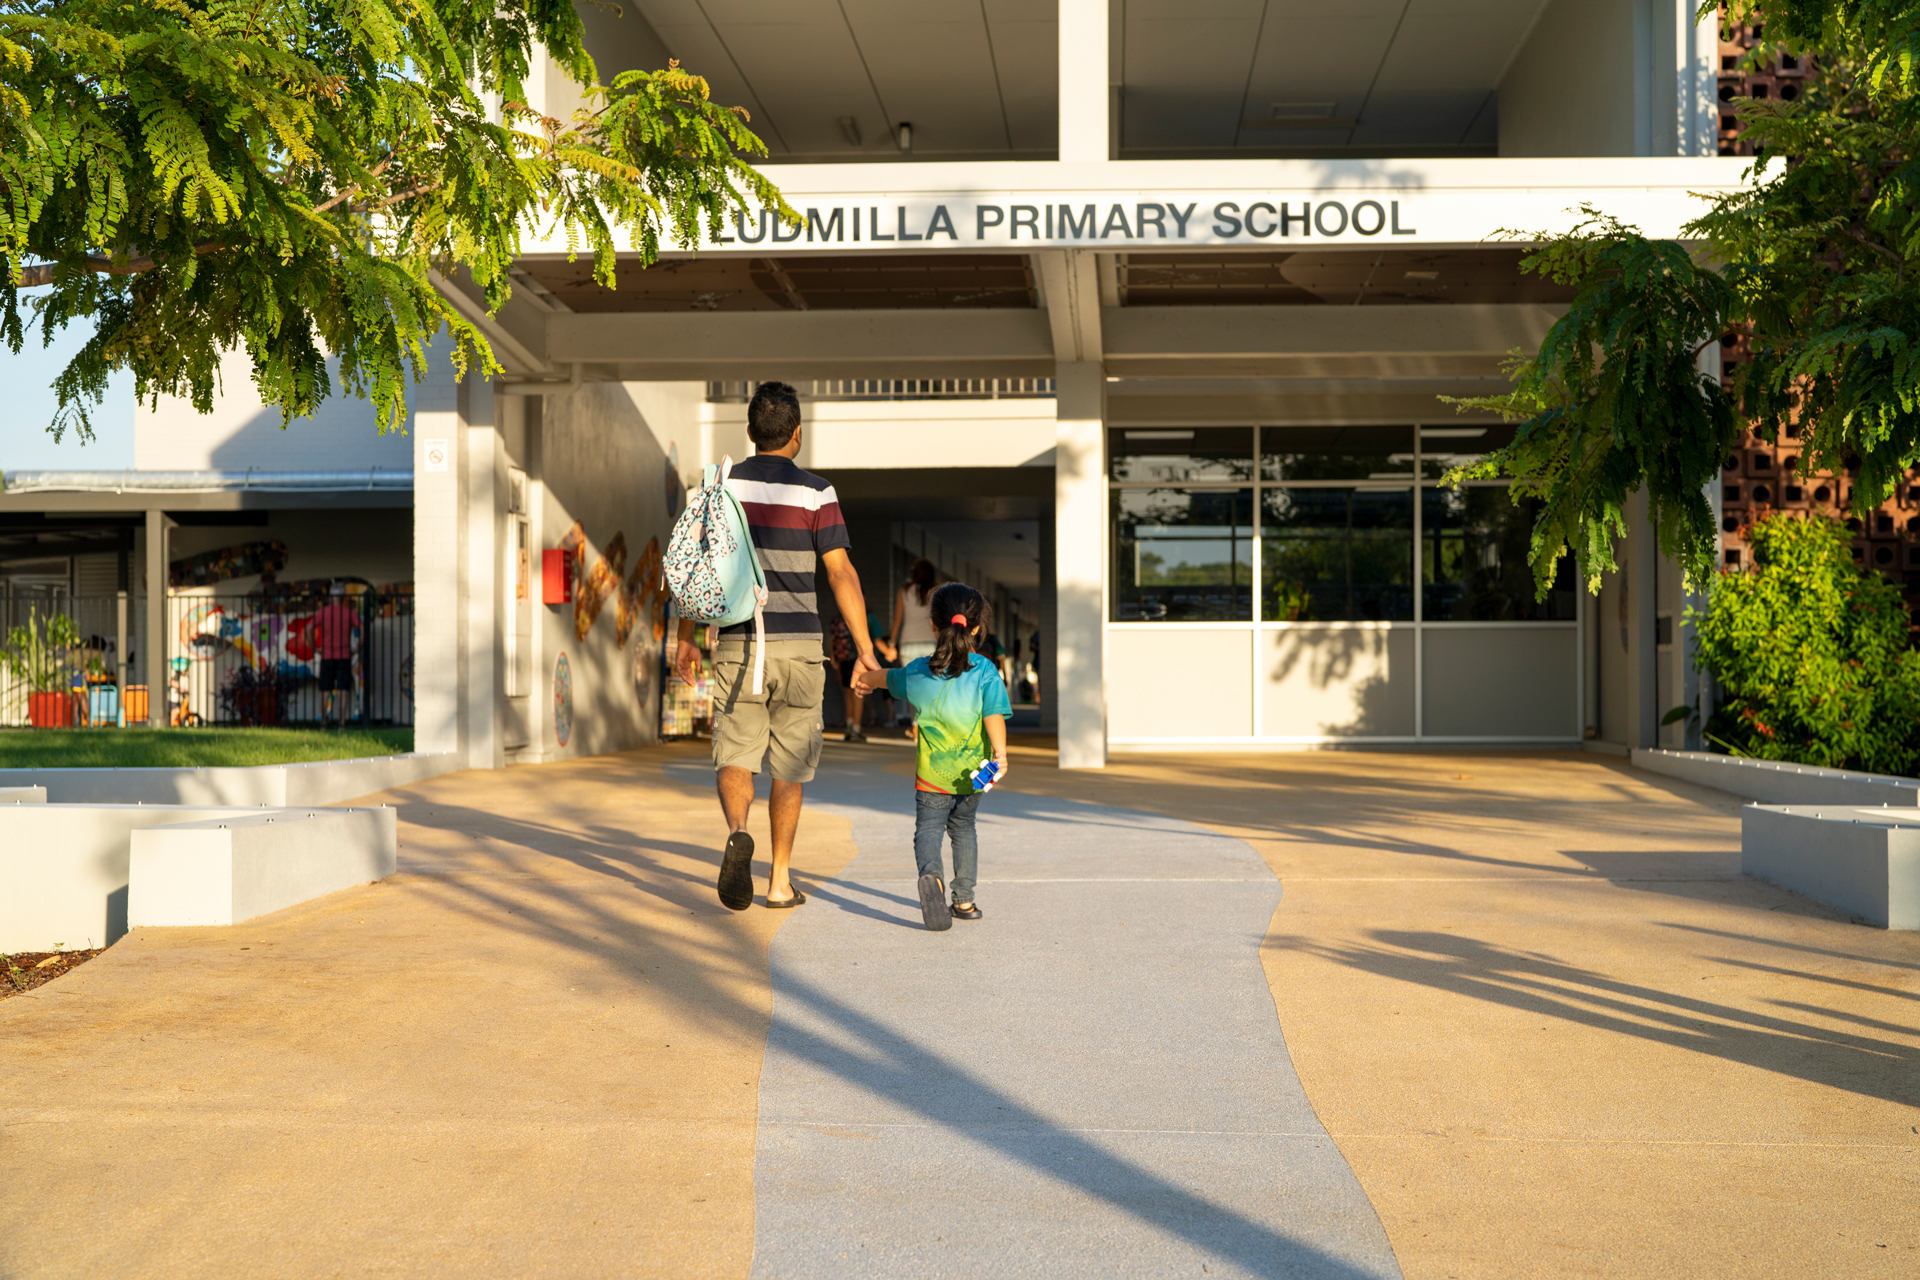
[(334, 626), (794, 518)]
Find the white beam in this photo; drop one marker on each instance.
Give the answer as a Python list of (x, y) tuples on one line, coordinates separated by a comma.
[(1085, 77), (732, 344), (1070, 284), (1214, 333)]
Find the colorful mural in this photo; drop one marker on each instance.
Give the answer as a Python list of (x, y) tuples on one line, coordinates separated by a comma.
[(562, 700), (632, 596), (248, 560)]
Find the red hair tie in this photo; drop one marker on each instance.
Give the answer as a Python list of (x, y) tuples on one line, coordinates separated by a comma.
[(959, 619)]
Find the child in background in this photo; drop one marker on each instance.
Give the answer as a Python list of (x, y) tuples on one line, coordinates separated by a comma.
[(962, 707)]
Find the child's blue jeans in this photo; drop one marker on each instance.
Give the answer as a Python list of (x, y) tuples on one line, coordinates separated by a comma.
[(937, 812)]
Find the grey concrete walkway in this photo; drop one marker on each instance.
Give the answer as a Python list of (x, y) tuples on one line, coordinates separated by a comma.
[(1090, 1081)]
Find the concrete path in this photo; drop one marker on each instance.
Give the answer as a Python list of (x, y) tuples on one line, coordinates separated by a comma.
[(1553, 1028), (1089, 1082)]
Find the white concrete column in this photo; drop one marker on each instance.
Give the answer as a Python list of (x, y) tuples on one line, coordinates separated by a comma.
[(1086, 128), (438, 441), (1077, 678), (483, 464), (154, 632)]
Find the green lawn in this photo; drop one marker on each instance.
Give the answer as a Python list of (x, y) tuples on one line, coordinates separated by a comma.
[(173, 748)]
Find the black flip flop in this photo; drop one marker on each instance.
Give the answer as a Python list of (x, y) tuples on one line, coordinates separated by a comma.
[(736, 872), (797, 898), (933, 903), (971, 911)]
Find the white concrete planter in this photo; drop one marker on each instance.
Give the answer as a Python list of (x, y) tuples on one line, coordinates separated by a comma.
[(231, 869), (275, 785), (1773, 782), (1866, 861), (78, 875)]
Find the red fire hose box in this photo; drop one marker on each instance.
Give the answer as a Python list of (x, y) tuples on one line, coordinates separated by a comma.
[(556, 577)]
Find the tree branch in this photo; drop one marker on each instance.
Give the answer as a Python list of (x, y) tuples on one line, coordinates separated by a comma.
[(41, 274), (349, 191)]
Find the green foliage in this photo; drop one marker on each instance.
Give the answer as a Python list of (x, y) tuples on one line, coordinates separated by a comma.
[(40, 655), (1812, 654), (1811, 257), (286, 175), (1614, 400)]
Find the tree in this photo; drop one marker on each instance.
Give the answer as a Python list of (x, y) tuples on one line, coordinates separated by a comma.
[(195, 175), (1811, 652), (1812, 257)]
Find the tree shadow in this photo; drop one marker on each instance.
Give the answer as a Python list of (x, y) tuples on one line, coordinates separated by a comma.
[(1544, 986)]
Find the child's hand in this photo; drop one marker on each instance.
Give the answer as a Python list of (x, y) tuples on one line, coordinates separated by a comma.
[(869, 681), (1001, 760)]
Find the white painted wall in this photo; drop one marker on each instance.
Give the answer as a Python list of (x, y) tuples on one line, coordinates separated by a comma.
[(603, 462), (241, 432), (848, 434), (1612, 78)]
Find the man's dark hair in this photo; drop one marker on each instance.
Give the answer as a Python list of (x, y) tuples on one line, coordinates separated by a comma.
[(773, 415)]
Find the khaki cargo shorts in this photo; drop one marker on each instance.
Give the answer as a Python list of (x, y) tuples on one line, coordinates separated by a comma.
[(780, 725)]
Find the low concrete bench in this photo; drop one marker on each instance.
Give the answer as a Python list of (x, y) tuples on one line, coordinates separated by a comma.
[(1866, 861), (63, 869), (224, 870), (23, 795)]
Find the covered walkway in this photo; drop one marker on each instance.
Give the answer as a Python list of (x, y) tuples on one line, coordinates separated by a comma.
[(1367, 1014)]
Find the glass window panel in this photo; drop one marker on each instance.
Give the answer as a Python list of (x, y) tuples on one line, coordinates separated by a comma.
[(1164, 455), (1474, 559), (1336, 453), (1336, 555), (1181, 555), (1444, 446)]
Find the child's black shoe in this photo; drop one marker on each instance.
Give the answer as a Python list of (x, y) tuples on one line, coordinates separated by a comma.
[(933, 903)]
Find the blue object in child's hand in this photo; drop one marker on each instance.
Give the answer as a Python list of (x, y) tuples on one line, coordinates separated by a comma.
[(985, 776)]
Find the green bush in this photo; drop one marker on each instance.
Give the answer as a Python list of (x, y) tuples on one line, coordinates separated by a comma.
[(1811, 654)]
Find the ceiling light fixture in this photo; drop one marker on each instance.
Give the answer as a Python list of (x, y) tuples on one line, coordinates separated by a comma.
[(903, 134)]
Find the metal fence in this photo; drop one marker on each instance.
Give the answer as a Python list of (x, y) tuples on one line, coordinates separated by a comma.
[(53, 642), (257, 659), (252, 659)]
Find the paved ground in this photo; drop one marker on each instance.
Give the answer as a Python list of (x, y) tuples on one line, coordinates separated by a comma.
[(1555, 1031), (1544, 1021), (1089, 1082), (533, 1052)]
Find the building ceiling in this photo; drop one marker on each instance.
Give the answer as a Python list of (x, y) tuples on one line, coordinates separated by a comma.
[(831, 80), (1226, 77)]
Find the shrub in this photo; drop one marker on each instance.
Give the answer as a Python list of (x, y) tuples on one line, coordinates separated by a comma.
[(1811, 653), (40, 655)]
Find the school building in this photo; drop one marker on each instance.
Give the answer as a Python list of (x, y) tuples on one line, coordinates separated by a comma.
[(1143, 315)]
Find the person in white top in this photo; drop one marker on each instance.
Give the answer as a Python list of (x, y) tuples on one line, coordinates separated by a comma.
[(912, 635)]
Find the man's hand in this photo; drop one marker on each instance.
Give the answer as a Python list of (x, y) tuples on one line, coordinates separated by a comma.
[(868, 675), (686, 661)]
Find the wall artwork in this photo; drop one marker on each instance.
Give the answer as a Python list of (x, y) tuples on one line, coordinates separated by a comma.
[(562, 700), (594, 587), (248, 560)]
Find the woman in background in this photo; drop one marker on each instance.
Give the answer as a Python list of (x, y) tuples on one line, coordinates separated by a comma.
[(912, 636)]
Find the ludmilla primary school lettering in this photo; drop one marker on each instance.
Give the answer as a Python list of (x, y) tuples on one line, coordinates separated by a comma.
[(1081, 222)]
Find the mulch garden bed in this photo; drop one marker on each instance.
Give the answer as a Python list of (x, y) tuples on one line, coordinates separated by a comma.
[(25, 970)]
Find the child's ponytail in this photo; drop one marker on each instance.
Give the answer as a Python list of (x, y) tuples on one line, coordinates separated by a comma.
[(957, 609)]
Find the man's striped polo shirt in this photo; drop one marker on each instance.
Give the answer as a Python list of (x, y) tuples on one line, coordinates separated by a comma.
[(795, 519)]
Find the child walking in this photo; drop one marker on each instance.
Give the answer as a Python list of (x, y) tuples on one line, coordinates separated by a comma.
[(962, 706)]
